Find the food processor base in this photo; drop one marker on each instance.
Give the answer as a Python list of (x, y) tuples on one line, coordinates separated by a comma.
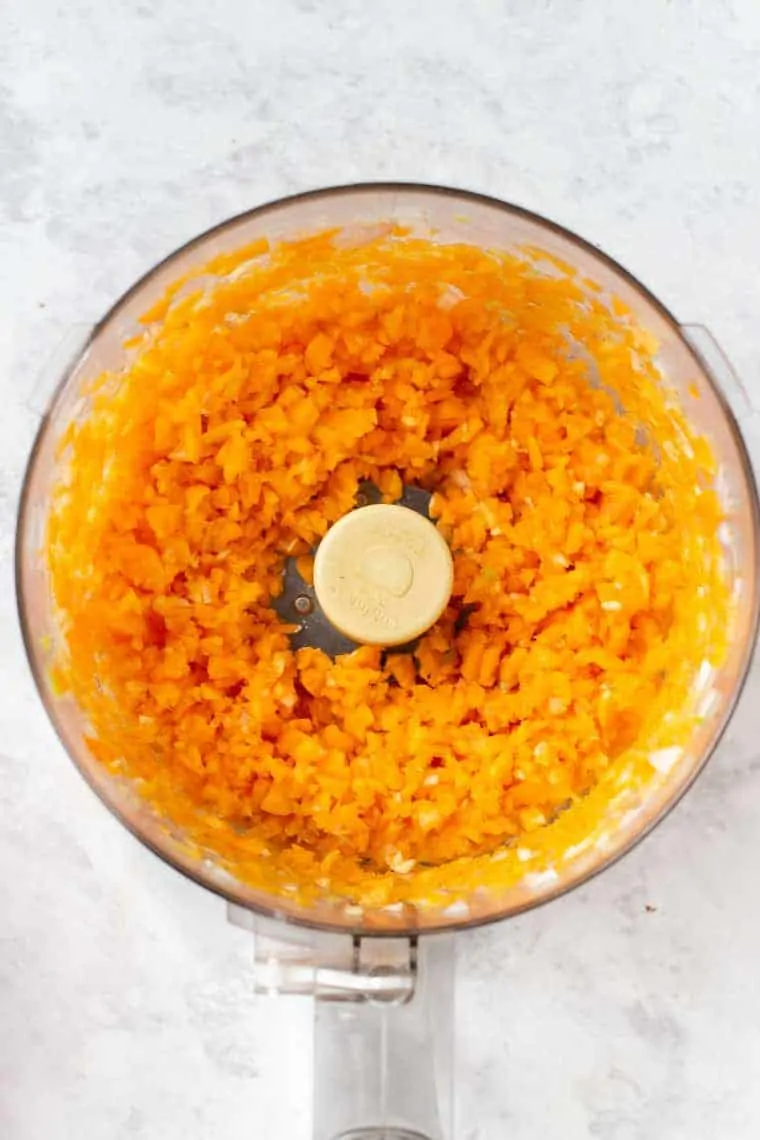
[(381, 984)]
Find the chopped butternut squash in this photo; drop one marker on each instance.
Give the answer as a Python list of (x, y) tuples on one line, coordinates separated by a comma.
[(588, 583)]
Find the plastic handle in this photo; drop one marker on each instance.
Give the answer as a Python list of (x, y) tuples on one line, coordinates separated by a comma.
[(385, 1072), (381, 1134), (70, 351), (383, 1030), (726, 379), (713, 359)]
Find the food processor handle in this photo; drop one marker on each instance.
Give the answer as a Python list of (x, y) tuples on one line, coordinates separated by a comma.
[(712, 357), (53, 369), (383, 1025), (384, 1071), (717, 365)]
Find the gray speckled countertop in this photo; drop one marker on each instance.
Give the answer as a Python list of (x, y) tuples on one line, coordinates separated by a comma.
[(628, 1011)]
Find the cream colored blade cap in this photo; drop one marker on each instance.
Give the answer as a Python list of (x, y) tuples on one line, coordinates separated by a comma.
[(383, 575)]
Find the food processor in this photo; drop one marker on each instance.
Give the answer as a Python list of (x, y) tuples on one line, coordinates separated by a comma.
[(383, 977)]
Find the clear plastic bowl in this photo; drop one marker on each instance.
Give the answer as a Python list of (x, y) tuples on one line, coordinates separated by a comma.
[(444, 215)]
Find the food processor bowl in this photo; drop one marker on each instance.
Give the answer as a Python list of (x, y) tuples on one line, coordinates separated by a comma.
[(690, 364)]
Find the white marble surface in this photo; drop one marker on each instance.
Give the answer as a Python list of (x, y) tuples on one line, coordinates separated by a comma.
[(125, 1000)]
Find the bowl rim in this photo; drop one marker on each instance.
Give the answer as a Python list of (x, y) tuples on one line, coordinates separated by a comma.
[(194, 872)]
